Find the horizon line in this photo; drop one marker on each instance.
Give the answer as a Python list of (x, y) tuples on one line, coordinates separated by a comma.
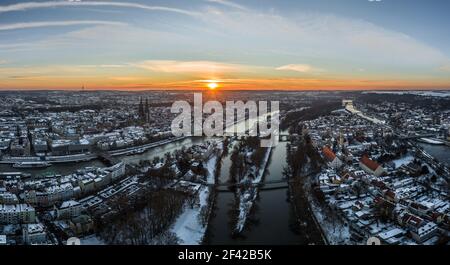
[(226, 90)]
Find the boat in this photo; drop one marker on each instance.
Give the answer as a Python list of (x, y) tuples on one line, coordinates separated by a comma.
[(8, 175), (136, 151), (430, 141), (31, 165), (140, 150)]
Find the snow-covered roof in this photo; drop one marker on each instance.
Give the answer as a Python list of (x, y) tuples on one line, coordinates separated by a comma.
[(70, 203), (391, 233)]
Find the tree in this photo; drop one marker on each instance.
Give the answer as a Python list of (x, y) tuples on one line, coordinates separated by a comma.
[(147, 106), (425, 170), (433, 178), (141, 109)]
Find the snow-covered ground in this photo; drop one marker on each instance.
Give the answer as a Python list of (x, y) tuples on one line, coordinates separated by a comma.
[(262, 168), (403, 161), (431, 141), (188, 227), (247, 199), (211, 168), (211, 164), (335, 231), (91, 240), (417, 93), (245, 205)]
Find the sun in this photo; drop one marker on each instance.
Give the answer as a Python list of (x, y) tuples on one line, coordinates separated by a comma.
[(212, 85)]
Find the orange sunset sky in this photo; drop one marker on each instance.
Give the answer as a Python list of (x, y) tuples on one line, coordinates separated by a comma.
[(251, 44)]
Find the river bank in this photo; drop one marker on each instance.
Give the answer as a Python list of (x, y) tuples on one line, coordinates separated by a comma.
[(440, 152), (313, 232), (88, 156), (190, 227), (272, 220), (247, 196), (68, 168)]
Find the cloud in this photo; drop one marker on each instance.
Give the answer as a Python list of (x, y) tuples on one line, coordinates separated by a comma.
[(104, 66), (168, 66), (3, 62), (124, 78), (94, 40), (254, 36), (69, 76), (240, 43), (318, 35), (27, 25), (50, 4), (227, 3), (302, 68), (445, 68)]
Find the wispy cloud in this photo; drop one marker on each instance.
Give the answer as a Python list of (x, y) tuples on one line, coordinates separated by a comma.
[(104, 66), (445, 68), (320, 35), (227, 3), (27, 25), (71, 76), (167, 66), (125, 78), (238, 45), (49, 4), (123, 39), (302, 68)]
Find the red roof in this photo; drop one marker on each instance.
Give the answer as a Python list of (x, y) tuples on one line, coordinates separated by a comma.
[(390, 193), (414, 220), (369, 163), (436, 215), (418, 206), (328, 153), (378, 200)]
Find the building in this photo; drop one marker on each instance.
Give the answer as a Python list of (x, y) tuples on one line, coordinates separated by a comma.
[(424, 232), (69, 147), (87, 185), (116, 171), (33, 234), (331, 158), (17, 214), (8, 198), (20, 147), (51, 195), (81, 225), (68, 210), (60, 147), (40, 146), (392, 236), (4, 144), (370, 166)]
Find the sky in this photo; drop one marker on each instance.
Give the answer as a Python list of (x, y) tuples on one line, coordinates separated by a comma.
[(247, 44)]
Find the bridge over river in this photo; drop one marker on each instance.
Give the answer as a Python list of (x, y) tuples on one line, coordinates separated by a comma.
[(265, 185)]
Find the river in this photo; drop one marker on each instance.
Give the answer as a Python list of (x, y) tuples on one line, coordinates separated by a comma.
[(440, 152), (272, 221), (68, 168)]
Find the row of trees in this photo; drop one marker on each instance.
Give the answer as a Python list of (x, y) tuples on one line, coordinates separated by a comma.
[(317, 109), (301, 152), (239, 166), (142, 220)]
